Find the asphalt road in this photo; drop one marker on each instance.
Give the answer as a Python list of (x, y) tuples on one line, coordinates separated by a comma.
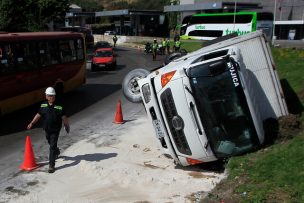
[(100, 94)]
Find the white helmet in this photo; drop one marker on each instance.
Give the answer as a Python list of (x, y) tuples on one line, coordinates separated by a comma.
[(50, 91)]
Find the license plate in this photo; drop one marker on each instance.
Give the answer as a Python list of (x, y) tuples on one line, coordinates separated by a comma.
[(158, 129), (101, 65)]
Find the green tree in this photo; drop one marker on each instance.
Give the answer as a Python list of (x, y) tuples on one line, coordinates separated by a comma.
[(119, 5), (156, 4), (10, 15), (89, 5), (31, 15)]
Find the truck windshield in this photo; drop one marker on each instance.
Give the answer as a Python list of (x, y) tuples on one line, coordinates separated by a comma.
[(223, 108)]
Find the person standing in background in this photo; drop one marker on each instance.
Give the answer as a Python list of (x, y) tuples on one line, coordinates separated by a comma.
[(163, 46), (177, 45), (115, 40), (154, 49), (168, 45)]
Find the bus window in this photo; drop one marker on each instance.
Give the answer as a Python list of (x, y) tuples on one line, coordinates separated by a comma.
[(67, 51), (80, 54), (221, 19), (44, 56), (53, 52), (206, 33), (4, 59), (30, 56), (73, 50), (18, 54), (48, 53)]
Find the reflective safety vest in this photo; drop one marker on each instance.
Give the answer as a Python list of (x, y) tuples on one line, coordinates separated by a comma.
[(164, 43), (51, 116), (177, 44), (154, 45), (168, 43)]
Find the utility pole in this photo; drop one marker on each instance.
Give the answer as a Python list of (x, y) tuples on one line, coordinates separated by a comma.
[(234, 15), (274, 19)]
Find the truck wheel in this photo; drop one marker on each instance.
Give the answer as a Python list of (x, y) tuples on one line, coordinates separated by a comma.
[(183, 52), (172, 56), (130, 87)]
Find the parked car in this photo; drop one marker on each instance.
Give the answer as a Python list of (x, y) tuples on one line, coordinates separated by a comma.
[(103, 58), (109, 33), (102, 44)]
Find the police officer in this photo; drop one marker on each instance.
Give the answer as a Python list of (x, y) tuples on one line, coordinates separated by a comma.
[(177, 45), (168, 45), (163, 43), (52, 114), (154, 49)]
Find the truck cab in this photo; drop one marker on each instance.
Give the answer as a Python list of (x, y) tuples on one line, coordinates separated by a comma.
[(199, 108)]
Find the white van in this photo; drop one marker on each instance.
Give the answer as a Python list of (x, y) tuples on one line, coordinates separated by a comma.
[(109, 33), (211, 104)]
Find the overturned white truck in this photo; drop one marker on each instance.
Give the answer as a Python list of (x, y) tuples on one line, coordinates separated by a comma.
[(211, 104)]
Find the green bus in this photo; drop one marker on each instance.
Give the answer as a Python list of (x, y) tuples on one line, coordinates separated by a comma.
[(208, 26)]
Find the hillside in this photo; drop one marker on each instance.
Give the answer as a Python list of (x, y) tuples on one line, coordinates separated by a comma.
[(92, 5)]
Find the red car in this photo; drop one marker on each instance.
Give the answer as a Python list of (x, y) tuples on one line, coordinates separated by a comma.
[(103, 58)]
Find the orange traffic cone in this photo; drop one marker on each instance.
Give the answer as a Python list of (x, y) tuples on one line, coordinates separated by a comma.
[(118, 117), (29, 162)]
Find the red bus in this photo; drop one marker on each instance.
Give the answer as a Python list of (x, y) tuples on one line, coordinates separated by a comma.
[(30, 62)]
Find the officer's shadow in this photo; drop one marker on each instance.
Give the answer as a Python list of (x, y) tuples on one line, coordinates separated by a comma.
[(86, 157)]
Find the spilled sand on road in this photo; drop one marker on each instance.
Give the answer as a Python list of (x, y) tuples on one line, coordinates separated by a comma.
[(123, 165)]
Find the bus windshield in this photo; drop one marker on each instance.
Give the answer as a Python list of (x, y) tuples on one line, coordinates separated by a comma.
[(223, 108)]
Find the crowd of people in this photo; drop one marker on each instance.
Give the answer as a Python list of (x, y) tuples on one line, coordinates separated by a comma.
[(165, 46)]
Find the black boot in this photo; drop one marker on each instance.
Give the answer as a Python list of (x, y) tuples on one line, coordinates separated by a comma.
[(51, 169)]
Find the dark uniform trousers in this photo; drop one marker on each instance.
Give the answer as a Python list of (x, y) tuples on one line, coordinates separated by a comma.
[(52, 139), (52, 117)]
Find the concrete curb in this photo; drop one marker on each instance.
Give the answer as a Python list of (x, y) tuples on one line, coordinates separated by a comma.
[(134, 46)]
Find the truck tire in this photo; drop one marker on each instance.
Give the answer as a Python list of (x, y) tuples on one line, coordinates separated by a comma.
[(130, 86), (172, 56), (183, 51)]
